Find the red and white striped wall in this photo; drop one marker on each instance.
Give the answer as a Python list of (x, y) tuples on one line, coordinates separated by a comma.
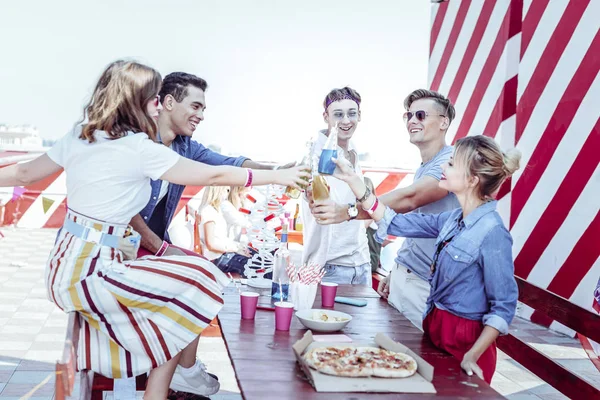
[(526, 72)]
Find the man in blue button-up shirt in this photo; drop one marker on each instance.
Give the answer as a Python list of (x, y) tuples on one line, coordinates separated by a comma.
[(183, 99)]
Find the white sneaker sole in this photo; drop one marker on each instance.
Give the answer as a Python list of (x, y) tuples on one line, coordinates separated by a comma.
[(179, 384)]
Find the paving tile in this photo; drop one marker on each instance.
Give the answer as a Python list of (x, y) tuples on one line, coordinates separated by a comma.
[(14, 345), (5, 376), (8, 363), (21, 389), (34, 377), (44, 355), (17, 328), (40, 316), (24, 322), (49, 337), (33, 365), (17, 337), (56, 322), (55, 345), (28, 398)]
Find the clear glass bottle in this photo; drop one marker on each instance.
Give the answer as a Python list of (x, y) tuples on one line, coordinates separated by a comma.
[(280, 266), (320, 189), (306, 160), (326, 166)]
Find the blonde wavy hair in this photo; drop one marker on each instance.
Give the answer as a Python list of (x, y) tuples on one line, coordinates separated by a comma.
[(482, 157), (235, 195), (213, 196), (118, 104)]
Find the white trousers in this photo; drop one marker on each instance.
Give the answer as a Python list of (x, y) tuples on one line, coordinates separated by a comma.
[(408, 294)]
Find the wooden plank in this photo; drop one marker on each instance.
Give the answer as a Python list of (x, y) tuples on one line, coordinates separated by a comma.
[(560, 309), (547, 369)]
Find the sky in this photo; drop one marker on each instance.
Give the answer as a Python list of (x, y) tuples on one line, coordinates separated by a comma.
[(269, 65)]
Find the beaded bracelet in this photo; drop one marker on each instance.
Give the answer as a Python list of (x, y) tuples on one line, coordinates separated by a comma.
[(249, 178)]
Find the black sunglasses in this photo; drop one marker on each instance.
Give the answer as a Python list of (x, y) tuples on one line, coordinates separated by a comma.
[(421, 115)]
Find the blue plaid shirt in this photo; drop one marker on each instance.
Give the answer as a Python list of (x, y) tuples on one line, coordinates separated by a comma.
[(188, 148), (474, 271)]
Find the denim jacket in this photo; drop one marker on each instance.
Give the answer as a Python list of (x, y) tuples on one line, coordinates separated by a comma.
[(474, 272), (188, 148)]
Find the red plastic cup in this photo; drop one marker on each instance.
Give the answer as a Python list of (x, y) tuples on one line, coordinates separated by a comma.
[(249, 301), (328, 291), (283, 315)]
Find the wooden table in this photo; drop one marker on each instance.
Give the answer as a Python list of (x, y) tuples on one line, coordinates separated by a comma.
[(266, 368)]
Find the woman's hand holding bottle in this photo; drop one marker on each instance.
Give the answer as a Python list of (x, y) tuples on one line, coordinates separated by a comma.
[(296, 177)]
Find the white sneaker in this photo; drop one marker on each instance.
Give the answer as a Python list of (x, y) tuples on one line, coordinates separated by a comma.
[(195, 380)]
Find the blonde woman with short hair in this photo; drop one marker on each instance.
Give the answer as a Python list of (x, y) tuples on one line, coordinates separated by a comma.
[(473, 294), (227, 254)]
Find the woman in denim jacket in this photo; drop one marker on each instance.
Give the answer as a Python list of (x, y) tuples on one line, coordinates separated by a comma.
[(473, 291)]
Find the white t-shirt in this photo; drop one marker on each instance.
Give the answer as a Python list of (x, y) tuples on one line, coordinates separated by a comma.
[(164, 188), (210, 214), (339, 244), (109, 180)]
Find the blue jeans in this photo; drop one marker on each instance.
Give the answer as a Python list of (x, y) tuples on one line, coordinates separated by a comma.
[(341, 274), (232, 262)]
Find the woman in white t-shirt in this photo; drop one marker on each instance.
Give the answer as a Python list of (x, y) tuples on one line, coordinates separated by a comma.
[(226, 253), (137, 315)]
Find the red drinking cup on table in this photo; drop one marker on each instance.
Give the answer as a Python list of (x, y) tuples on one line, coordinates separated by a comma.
[(283, 315), (249, 300), (328, 291)]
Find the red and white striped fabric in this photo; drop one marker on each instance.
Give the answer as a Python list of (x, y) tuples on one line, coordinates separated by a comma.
[(527, 73)]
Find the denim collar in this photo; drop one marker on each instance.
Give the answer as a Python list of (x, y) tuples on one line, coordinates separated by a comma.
[(180, 141), (478, 213)]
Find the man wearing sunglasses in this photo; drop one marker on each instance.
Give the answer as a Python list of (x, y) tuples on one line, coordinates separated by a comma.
[(427, 119)]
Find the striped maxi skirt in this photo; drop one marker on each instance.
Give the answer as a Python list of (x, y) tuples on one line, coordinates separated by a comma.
[(136, 314)]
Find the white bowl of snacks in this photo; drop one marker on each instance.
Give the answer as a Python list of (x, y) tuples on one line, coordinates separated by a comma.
[(323, 320)]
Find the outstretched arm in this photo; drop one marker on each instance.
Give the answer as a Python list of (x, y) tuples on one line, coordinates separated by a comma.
[(424, 191), (191, 173), (28, 173)]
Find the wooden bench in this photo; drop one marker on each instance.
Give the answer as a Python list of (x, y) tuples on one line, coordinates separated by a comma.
[(571, 315), (559, 309), (91, 385)]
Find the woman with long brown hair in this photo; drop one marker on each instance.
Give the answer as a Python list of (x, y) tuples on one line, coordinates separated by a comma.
[(138, 315)]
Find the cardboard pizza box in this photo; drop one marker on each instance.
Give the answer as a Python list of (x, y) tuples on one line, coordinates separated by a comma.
[(418, 383)]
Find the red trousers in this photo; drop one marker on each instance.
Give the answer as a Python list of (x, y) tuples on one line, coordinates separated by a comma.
[(457, 335)]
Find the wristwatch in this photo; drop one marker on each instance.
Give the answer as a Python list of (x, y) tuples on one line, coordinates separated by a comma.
[(352, 211), (364, 197)]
